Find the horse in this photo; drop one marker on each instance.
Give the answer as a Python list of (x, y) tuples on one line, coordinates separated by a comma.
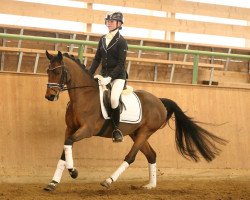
[(84, 119)]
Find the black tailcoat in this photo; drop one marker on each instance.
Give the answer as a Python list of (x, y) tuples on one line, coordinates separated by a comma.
[(112, 57)]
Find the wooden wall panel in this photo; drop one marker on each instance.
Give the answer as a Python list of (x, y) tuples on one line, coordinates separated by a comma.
[(150, 22), (32, 128), (178, 6), (42, 10)]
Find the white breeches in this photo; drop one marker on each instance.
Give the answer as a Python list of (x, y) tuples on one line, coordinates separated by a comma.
[(117, 88)]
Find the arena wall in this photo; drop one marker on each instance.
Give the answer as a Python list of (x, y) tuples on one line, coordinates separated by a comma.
[(32, 128)]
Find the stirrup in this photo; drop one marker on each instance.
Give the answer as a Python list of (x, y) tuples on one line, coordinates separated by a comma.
[(117, 136)]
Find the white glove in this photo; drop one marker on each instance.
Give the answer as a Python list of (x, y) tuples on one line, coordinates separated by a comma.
[(106, 81)]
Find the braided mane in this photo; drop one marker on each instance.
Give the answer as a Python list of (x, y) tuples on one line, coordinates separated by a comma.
[(77, 60)]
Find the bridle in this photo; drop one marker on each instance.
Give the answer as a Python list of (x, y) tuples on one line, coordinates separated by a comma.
[(63, 80)]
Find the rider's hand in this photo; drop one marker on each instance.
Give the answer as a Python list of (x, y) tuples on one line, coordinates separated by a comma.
[(106, 81)]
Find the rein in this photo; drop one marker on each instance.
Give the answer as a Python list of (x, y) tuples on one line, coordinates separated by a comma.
[(76, 87), (63, 80)]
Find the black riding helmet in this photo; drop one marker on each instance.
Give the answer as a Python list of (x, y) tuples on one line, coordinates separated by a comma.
[(117, 16)]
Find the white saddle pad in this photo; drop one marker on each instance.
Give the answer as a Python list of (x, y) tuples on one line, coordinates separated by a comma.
[(132, 111)]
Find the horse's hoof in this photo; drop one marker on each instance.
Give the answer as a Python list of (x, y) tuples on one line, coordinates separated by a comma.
[(105, 184), (149, 186), (73, 173), (51, 186)]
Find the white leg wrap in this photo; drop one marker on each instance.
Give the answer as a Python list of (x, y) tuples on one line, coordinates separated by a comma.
[(152, 176), (59, 171), (118, 172), (152, 173), (68, 156)]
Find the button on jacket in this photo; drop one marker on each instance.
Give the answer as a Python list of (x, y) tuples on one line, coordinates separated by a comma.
[(112, 57)]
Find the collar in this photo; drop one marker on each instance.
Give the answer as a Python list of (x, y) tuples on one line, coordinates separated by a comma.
[(113, 41), (111, 34)]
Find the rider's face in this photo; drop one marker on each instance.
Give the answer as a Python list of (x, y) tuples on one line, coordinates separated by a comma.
[(111, 24)]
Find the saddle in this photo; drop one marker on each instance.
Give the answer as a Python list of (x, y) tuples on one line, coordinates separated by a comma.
[(129, 103), (107, 102)]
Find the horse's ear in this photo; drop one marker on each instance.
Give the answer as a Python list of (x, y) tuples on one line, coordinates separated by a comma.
[(49, 56), (59, 55)]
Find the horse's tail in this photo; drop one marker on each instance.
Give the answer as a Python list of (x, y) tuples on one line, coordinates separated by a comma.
[(190, 137)]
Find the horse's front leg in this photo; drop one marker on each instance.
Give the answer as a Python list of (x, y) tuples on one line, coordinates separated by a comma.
[(69, 162), (59, 171), (58, 174), (66, 160)]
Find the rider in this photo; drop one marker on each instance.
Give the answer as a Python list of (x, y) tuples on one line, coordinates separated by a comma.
[(112, 52)]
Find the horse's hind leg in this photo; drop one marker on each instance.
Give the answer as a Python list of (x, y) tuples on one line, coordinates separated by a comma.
[(139, 141), (150, 154)]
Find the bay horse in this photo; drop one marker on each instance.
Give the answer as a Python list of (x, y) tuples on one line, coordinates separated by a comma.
[(84, 120)]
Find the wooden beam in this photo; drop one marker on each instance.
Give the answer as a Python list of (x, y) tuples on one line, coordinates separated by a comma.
[(89, 25), (158, 61), (43, 11), (205, 9)]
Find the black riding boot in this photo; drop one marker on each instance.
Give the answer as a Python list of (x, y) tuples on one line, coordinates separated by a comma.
[(115, 118)]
